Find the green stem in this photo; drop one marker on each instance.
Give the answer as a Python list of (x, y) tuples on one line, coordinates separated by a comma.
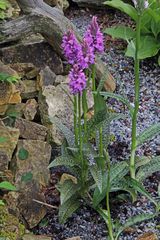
[(93, 78), (85, 109), (110, 227), (80, 139), (136, 102), (75, 121)]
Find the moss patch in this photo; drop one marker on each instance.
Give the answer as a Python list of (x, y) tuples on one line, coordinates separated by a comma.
[(10, 227)]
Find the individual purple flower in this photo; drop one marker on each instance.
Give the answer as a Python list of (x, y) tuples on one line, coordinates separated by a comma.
[(72, 48), (77, 80), (94, 36)]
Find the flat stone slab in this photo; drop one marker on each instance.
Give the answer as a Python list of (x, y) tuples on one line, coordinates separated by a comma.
[(29, 166), (31, 130), (39, 53)]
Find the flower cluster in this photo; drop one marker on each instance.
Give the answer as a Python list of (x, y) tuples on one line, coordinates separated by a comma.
[(140, 5), (77, 80), (94, 36), (80, 56)]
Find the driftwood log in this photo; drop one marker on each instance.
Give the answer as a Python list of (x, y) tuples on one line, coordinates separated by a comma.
[(39, 17)]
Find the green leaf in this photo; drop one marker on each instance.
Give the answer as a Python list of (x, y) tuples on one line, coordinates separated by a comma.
[(122, 185), (63, 161), (7, 185), (97, 175), (23, 154), (5, 77), (1, 204), (139, 188), (149, 47), (68, 134), (148, 169), (67, 209), (134, 220), (124, 7), (105, 125), (125, 33), (103, 213), (27, 177), (4, 4), (44, 222), (141, 161), (100, 104), (148, 133), (97, 121), (67, 189), (159, 60), (3, 139), (119, 98), (118, 171)]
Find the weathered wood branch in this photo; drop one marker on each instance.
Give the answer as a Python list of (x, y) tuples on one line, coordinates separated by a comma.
[(49, 22), (39, 18)]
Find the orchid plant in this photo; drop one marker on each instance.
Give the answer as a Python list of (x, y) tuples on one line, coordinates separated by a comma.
[(84, 151)]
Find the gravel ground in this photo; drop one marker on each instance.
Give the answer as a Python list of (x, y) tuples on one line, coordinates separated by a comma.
[(86, 223)]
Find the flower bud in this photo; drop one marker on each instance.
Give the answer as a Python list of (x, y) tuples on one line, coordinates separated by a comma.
[(141, 5)]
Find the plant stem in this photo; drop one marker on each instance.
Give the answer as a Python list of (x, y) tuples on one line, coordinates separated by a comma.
[(75, 121), (94, 97), (80, 139), (110, 227), (85, 109), (93, 78), (136, 102)]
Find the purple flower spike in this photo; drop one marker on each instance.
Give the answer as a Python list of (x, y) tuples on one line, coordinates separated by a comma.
[(88, 53), (94, 36), (71, 48), (77, 80)]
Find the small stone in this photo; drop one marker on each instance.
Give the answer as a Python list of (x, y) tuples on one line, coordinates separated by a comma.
[(23, 68), (30, 89), (61, 79), (46, 77), (130, 230), (30, 130), (15, 98), (30, 109), (15, 110), (32, 74), (9, 94), (3, 109), (7, 69), (148, 236), (9, 138)]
